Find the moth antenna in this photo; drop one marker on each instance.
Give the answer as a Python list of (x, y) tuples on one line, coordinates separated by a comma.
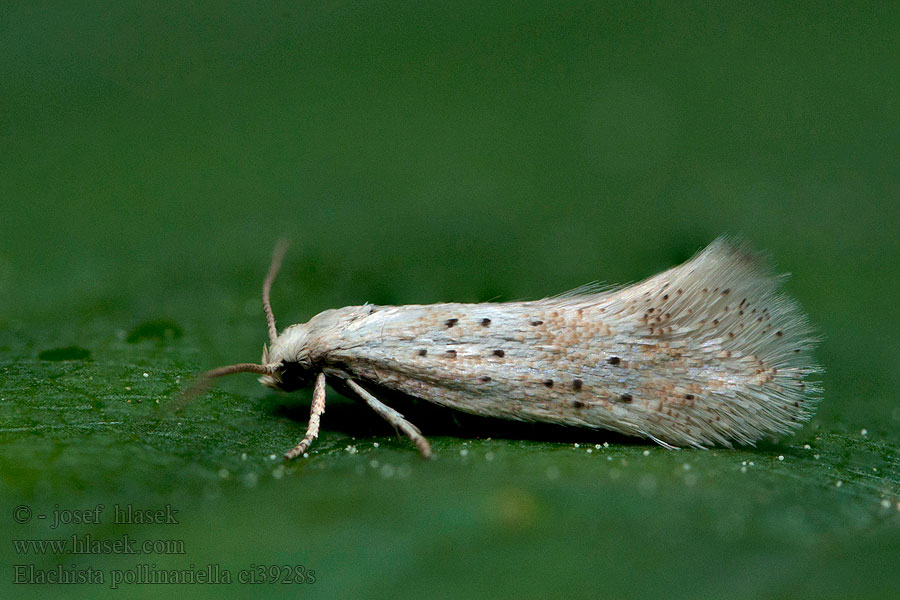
[(277, 256), (204, 381)]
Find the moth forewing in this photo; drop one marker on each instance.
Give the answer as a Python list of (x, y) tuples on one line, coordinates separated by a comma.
[(706, 353)]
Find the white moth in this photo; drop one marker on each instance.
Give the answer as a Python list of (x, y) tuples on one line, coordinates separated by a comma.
[(706, 353)]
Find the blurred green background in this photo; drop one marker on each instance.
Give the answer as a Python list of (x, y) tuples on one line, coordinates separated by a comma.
[(152, 153)]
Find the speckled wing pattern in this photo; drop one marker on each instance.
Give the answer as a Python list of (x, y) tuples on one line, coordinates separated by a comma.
[(708, 352)]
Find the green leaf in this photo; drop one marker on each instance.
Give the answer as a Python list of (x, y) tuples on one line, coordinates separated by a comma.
[(423, 152)]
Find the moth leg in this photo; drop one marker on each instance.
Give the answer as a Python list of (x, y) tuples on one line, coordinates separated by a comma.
[(394, 418), (315, 415)]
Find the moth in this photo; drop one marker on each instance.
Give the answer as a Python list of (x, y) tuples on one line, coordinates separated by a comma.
[(710, 352)]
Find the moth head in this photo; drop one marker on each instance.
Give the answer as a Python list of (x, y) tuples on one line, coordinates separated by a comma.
[(290, 369), (289, 377)]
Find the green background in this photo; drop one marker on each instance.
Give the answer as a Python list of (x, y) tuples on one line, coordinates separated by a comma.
[(421, 152)]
